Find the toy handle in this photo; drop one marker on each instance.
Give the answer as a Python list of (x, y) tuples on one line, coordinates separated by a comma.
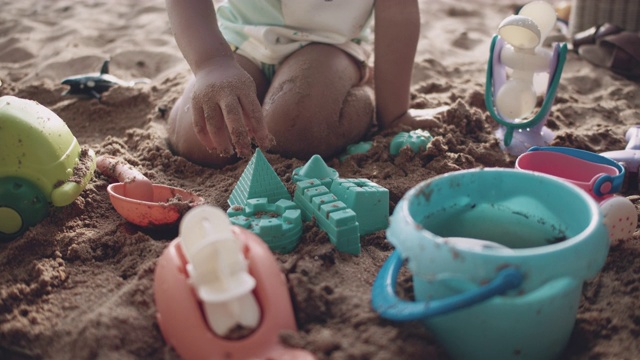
[(508, 136), (137, 186), (603, 185), (389, 306), (633, 137)]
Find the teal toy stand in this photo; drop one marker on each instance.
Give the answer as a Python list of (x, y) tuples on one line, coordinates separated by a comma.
[(521, 134)]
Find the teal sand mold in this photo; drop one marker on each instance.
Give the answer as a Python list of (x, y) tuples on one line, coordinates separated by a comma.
[(317, 169), (332, 215), (262, 204), (258, 181), (279, 225), (344, 208), (367, 199)]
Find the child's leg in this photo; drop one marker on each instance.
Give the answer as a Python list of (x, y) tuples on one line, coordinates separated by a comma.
[(181, 136), (314, 104)]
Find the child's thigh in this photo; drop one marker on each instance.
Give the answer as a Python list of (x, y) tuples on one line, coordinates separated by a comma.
[(316, 77)]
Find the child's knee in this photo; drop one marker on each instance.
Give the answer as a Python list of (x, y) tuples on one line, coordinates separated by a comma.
[(302, 132)]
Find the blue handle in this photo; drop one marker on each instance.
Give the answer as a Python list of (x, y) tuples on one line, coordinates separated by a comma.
[(602, 180), (389, 306)]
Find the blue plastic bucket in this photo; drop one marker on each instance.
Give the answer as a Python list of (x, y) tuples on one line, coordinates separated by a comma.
[(514, 295)]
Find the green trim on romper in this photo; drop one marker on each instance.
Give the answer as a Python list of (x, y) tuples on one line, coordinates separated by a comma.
[(269, 70)]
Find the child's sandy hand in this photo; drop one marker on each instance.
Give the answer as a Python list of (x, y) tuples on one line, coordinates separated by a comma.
[(226, 110)]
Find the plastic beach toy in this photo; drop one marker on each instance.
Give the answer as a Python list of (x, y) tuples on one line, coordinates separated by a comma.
[(41, 164), (216, 275), (416, 140), (139, 201), (94, 84), (261, 203), (512, 99), (505, 290), (595, 174), (630, 156), (218, 270), (598, 175), (359, 148), (343, 208)]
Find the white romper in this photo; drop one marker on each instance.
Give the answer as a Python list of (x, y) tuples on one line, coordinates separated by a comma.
[(267, 31)]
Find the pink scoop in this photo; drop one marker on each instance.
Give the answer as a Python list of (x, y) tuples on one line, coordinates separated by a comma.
[(139, 201), (183, 323), (596, 177), (580, 172)]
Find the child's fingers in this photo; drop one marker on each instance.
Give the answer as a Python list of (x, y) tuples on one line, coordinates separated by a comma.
[(214, 137), (217, 129), (232, 113), (255, 123), (200, 127)]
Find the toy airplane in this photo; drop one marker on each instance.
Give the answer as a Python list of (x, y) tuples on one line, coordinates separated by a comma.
[(94, 84)]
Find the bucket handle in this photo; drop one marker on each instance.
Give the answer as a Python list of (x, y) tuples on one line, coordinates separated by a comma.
[(389, 306)]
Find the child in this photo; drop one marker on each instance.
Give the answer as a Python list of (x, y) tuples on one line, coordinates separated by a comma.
[(289, 74)]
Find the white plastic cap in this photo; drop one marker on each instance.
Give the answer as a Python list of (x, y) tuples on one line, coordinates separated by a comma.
[(520, 32), (218, 270), (543, 14)]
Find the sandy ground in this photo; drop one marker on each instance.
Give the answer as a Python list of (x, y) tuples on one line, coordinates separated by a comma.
[(79, 284)]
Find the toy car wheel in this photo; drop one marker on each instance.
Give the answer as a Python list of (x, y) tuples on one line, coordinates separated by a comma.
[(22, 205)]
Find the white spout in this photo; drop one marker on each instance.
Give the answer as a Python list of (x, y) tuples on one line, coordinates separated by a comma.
[(218, 270)]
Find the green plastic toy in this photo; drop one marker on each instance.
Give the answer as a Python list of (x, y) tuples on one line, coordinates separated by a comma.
[(359, 148), (262, 204), (317, 169), (416, 140), (332, 215), (367, 199), (279, 225), (258, 180), (41, 164)]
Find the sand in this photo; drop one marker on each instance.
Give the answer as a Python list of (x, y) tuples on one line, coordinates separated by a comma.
[(79, 284)]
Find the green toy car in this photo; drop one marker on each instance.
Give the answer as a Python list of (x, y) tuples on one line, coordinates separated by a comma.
[(41, 164)]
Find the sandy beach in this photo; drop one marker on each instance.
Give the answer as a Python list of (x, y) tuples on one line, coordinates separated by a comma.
[(79, 285)]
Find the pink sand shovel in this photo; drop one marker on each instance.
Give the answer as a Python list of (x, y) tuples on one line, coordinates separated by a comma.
[(216, 276), (139, 201), (598, 175)]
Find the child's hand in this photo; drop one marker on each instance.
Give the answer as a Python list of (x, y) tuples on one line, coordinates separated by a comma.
[(226, 110)]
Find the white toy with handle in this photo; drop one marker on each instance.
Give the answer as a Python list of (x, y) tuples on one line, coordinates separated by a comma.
[(523, 34), (218, 270)]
